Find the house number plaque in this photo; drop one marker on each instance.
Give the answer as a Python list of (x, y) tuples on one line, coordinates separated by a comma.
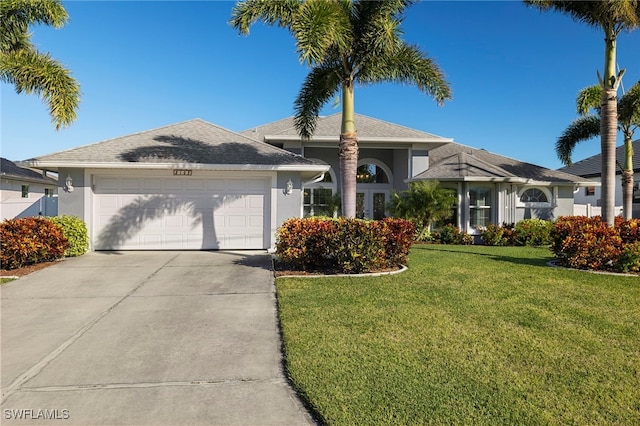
[(182, 172)]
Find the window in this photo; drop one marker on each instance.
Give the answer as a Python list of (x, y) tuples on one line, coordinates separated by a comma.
[(25, 191), (590, 190), (48, 192), (480, 206), (534, 195), (318, 202), (371, 173)]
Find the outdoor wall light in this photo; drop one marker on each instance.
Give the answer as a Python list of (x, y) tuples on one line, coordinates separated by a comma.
[(68, 184), (289, 188)]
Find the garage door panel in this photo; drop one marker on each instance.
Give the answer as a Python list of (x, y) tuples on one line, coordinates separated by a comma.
[(176, 213)]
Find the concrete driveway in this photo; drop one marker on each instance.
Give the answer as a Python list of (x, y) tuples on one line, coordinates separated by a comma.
[(153, 338)]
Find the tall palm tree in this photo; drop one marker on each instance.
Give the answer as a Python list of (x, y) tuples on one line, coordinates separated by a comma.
[(345, 42), (612, 16), (588, 126), (29, 70)]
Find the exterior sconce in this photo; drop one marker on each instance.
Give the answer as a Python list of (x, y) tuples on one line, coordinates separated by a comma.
[(68, 184), (289, 188)]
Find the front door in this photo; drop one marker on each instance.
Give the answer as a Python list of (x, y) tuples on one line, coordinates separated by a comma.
[(371, 203)]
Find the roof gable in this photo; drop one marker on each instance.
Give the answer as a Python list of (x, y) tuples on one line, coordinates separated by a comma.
[(329, 128), (191, 142), (455, 161), (10, 170)]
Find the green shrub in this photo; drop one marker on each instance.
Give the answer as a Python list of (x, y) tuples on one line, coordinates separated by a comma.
[(344, 245), (494, 235), (26, 241), (629, 259), (75, 230), (532, 232), (450, 234)]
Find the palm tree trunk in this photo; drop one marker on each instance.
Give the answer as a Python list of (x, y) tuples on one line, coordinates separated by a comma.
[(348, 151), (609, 129), (627, 178)]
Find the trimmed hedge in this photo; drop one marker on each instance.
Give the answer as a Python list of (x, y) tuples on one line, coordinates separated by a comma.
[(75, 230), (527, 232), (344, 245), (451, 234), (30, 240), (588, 243)]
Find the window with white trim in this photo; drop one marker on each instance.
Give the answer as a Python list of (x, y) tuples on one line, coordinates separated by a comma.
[(25, 191), (537, 197), (318, 198), (480, 206)]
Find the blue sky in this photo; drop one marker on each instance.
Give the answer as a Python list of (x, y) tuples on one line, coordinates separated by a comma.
[(514, 72)]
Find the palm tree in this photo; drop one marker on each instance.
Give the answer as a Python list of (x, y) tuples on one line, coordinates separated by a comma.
[(612, 16), (588, 126), (425, 202), (29, 70), (345, 42)]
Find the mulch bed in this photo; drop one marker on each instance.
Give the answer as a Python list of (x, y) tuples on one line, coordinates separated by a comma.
[(26, 270)]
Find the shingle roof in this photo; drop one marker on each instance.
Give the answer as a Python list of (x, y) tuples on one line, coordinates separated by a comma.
[(455, 161), (195, 142), (9, 169), (329, 127), (592, 166)]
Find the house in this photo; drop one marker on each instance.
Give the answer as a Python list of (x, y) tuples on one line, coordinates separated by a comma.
[(590, 169), (25, 192), (195, 185), (490, 188)]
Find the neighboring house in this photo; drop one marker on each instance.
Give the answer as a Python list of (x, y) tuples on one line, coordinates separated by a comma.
[(491, 188), (590, 169), (25, 192), (194, 185), (191, 185)]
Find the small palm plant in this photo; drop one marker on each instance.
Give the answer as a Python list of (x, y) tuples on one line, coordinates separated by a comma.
[(425, 203)]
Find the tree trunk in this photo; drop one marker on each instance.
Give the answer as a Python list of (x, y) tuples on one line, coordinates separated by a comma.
[(348, 152), (627, 178), (609, 128)]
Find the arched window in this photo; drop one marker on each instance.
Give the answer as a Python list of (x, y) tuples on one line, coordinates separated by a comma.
[(534, 195), (371, 173)]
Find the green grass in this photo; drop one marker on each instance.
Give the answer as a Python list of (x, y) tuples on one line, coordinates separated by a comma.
[(469, 335), (6, 280)]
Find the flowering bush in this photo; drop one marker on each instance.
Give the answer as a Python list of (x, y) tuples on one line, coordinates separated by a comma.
[(344, 245), (26, 241)]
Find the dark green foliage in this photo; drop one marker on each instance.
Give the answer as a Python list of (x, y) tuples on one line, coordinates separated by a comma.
[(629, 259), (75, 230), (30, 240), (496, 235), (450, 234), (344, 245), (532, 232), (424, 203)]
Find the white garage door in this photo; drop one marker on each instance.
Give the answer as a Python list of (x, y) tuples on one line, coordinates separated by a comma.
[(179, 213)]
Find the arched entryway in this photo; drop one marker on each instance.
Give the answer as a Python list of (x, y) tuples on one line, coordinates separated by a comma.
[(374, 183)]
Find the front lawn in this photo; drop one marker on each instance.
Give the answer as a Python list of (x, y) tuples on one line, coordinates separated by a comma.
[(469, 335)]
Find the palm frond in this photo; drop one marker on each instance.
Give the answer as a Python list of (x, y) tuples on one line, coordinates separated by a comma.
[(629, 106), (271, 12), (321, 84), (322, 25), (17, 15), (589, 98), (582, 129), (33, 72), (407, 65)]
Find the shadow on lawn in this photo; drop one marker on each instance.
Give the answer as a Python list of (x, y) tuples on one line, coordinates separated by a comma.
[(508, 259)]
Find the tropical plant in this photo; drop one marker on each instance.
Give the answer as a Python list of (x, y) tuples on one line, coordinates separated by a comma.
[(344, 43), (588, 126), (612, 16), (425, 202), (29, 70)]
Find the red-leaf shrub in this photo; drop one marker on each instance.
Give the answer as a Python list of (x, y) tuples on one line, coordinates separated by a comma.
[(629, 229), (586, 243), (30, 240), (344, 245)]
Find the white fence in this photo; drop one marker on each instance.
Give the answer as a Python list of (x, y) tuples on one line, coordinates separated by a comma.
[(26, 207), (590, 210)]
